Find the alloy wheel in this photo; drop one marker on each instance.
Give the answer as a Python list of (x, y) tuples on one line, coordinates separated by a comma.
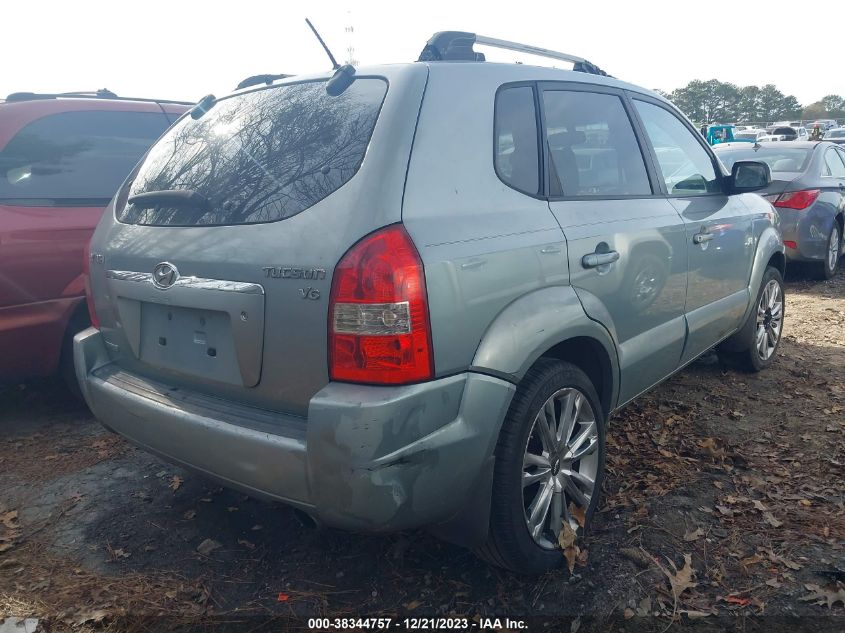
[(560, 465), (769, 320), (833, 249)]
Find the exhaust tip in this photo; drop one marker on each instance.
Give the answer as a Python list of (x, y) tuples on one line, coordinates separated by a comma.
[(306, 520)]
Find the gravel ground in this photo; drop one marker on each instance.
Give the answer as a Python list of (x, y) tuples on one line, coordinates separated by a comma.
[(724, 508)]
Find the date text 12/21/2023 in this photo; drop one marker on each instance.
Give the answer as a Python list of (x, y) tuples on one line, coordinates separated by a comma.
[(417, 624)]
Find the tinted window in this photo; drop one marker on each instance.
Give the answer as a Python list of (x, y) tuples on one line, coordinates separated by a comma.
[(835, 134), (592, 147), (833, 164), (75, 157), (778, 157), (260, 156), (517, 156), (685, 165)]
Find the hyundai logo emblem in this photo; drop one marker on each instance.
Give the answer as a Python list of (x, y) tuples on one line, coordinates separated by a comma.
[(165, 275)]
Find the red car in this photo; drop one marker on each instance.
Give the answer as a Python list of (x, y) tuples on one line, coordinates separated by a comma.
[(62, 157)]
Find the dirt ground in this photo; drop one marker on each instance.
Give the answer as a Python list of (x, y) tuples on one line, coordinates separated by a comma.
[(724, 509)]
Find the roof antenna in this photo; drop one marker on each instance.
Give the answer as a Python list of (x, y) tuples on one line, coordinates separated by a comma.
[(335, 65), (343, 75)]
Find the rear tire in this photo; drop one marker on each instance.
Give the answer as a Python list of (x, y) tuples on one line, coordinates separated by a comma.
[(572, 472), (827, 268), (755, 346)]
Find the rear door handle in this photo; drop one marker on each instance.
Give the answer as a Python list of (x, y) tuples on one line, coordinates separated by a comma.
[(700, 238), (594, 260)]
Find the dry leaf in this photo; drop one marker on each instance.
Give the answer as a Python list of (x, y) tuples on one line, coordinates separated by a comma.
[(752, 560), (257, 527), (413, 604), (759, 505), (208, 546), (245, 543), (190, 514), (566, 540), (681, 580), (9, 519), (694, 535), (773, 582), (743, 602), (826, 596), (578, 514), (771, 520), (97, 615), (628, 614), (175, 482), (232, 509)]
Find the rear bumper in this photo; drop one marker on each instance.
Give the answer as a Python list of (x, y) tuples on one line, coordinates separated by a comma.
[(366, 458), (809, 231)]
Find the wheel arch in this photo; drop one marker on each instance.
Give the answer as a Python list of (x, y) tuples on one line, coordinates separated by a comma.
[(550, 323)]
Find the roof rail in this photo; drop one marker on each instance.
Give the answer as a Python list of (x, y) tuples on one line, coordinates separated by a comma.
[(457, 46), (103, 93), (256, 80)]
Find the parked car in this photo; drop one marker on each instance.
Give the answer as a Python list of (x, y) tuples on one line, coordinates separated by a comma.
[(751, 135), (808, 189), (835, 135), (770, 138), (789, 133), (62, 157), (389, 312)]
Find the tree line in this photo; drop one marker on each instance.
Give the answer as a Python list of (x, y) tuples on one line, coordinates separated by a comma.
[(715, 101)]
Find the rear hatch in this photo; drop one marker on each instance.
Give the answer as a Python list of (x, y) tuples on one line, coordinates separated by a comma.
[(214, 272)]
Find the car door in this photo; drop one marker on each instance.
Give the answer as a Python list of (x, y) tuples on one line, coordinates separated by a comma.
[(626, 243), (719, 237)]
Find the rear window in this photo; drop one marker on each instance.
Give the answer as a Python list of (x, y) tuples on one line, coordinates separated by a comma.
[(259, 157), (75, 158), (780, 159)]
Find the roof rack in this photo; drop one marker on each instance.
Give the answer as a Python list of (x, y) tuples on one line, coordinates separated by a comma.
[(457, 46), (255, 80), (103, 93)]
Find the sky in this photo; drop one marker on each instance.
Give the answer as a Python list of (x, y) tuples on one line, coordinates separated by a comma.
[(184, 49)]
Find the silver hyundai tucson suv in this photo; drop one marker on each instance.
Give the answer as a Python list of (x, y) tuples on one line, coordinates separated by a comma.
[(411, 295)]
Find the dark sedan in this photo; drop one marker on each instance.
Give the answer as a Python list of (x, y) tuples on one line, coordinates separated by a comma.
[(808, 189)]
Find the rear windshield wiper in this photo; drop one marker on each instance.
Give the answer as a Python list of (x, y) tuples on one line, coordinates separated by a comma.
[(172, 197)]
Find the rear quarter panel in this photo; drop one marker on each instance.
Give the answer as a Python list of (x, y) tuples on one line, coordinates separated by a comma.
[(483, 243)]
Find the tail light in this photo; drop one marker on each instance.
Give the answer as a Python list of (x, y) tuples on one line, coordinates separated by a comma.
[(379, 330), (797, 199), (86, 272), (790, 244)]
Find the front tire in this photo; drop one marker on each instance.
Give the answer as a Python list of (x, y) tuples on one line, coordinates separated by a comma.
[(754, 347), (550, 454)]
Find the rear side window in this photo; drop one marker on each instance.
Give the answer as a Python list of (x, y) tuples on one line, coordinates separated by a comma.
[(685, 165), (833, 164), (592, 147), (257, 157), (75, 158), (516, 152)]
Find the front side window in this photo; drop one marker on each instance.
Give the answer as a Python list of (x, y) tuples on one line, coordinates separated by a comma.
[(260, 156), (75, 158), (592, 147), (685, 165), (833, 164), (516, 152)]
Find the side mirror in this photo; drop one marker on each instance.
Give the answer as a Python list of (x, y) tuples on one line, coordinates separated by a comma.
[(749, 175)]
